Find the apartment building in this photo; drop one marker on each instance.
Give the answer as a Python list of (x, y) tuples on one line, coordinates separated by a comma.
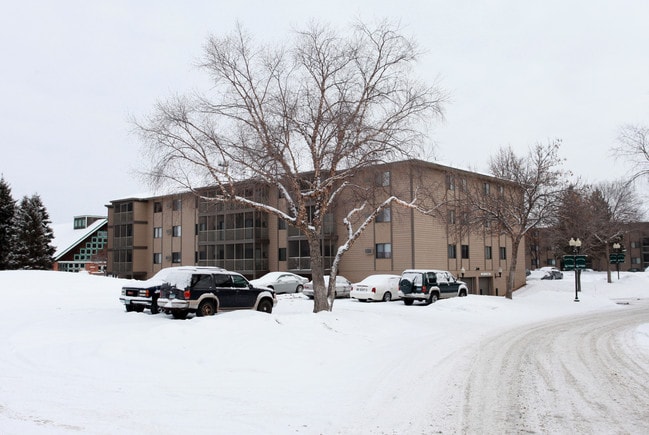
[(147, 234)]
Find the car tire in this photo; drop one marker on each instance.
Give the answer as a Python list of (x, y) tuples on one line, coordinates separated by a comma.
[(139, 308), (387, 297), (299, 288), (178, 314), (462, 293), (405, 285), (408, 301), (206, 308), (129, 307), (432, 299), (265, 306)]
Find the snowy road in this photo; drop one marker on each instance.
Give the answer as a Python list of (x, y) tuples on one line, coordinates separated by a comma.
[(579, 375)]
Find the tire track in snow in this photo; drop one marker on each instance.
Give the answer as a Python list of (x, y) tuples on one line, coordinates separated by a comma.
[(583, 375)]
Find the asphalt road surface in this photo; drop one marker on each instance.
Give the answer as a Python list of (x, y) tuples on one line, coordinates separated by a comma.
[(581, 375)]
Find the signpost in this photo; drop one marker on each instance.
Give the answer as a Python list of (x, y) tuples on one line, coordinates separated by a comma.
[(616, 258)]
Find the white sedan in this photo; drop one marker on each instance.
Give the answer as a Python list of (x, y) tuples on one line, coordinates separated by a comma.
[(343, 287), (281, 282), (382, 287)]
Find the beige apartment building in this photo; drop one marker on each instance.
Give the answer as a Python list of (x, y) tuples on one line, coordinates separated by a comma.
[(147, 234)]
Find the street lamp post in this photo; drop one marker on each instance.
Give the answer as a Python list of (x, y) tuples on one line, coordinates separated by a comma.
[(616, 248), (576, 245)]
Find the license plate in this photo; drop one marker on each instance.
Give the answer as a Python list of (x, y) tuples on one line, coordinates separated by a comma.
[(172, 296)]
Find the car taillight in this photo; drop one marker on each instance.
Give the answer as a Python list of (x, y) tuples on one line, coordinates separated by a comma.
[(186, 294), (424, 289), (373, 289)]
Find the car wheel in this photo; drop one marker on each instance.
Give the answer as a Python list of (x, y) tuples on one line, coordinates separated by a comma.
[(463, 293), (206, 308), (265, 306), (177, 314), (405, 285), (387, 297), (299, 288), (139, 308), (129, 307), (407, 301), (431, 299)]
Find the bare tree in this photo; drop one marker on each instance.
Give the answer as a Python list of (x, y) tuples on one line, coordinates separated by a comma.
[(528, 200), (613, 206), (633, 146), (304, 117)]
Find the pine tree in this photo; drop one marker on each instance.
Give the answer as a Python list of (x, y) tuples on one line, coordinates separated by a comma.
[(7, 211), (33, 236)]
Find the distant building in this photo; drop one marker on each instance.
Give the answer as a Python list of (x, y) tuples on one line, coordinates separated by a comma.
[(82, 245), (146, 234)]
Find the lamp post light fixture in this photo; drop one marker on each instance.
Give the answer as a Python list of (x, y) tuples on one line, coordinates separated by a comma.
[(462, 272), (576, 245), (500, 272)]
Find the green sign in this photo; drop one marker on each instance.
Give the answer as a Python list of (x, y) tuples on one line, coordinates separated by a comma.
[(616, 258), (572, 262)]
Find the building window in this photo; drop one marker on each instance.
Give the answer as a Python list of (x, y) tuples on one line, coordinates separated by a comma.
[(465, 251), (384, 215), (451, 217), (487, 252), (281, 254), (176, 231), (486, 188), (281, 224), (552, 262), (636, 260), (79, 223), (501, 190), (175, 257), (157, 207), (383, 179), (452, 251), (450, 182), (635, 244), (503, 253), (177, 204), (384, 250), (157, 258), (463, 187), (157, 232)]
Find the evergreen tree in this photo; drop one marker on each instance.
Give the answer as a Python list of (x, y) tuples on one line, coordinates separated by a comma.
[(33, 236), (7, 211)]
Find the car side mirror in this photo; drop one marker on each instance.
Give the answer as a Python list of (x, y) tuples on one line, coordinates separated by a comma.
[(250, 286)]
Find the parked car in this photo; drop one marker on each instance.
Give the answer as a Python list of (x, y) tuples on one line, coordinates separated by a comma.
[(381, 287), (206, 292), (281, 282), (429, 286), (145, 294), (343, 287), (551, 273)]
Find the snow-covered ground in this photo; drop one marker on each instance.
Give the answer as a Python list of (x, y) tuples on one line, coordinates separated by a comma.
[(73, 361)]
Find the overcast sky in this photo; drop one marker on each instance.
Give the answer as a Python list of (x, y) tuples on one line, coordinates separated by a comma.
[(518, 72)]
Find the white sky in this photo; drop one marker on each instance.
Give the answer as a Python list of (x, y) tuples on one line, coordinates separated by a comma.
[(74, 362), (518, 73)]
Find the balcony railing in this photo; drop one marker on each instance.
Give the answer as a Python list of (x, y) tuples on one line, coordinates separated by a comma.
[(243, 266), (304, 263), (238, 234)]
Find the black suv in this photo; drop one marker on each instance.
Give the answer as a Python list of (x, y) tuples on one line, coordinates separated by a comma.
[(144, 294), (206, 292)]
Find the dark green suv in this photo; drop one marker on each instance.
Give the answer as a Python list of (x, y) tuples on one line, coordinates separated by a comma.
[(429, 285), (205, 291)]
